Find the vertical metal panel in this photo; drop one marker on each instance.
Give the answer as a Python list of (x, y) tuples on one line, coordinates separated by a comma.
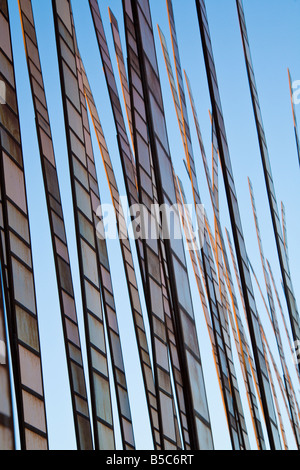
[(197, 410), (84, 223), (214, 194), (25, 353), (109, 306), (252, 316), (284, 266), (7, 440), (274, 321), (59, 243)]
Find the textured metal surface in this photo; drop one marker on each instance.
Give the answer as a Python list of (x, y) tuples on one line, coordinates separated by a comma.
[(58, 233), (22, 321), (274, 321), (252, 316), (85, 227), (283, 261), (196, 403)]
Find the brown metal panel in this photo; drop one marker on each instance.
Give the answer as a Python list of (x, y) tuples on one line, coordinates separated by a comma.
[(59, 243), (197, 413), (85, 229), (25, 349), (282, 255), (252, 315)]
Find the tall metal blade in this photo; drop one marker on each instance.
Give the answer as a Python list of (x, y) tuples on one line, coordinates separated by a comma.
[(197, 412), (85, 228)]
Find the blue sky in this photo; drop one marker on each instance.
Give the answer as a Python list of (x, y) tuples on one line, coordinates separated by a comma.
[(274, 35)]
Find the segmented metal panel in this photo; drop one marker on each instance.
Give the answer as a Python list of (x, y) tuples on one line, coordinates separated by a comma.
[(197, 410), (58, 233), (274, 320), (285, 271), (237, 230), (22, 321), (147, 198), (7, 440), (85, 227)]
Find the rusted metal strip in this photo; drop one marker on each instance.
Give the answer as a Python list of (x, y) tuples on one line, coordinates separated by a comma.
[(274, 321), (131, 189), (252, 316), (86, 236), (294, 117), (22, 321), (199, 422), (58, 233), (282, 255)]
